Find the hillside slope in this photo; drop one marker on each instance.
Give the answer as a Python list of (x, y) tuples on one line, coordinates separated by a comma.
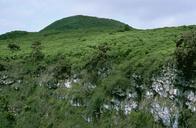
[(97, 79)]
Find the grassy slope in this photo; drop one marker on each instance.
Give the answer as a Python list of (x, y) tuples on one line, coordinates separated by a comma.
[(144, 50), (141, 47)]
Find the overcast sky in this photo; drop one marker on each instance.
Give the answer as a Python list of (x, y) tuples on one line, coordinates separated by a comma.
[(33, 15)]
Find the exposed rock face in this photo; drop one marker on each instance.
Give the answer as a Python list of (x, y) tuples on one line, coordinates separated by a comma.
[(130, 106), (6, 80), (161, 113), (162, 99), (164, 84), (191, 101)]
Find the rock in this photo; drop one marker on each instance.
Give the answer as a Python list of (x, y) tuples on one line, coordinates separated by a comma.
[(68, 84), (191, 101), (129, 106), (161, 113), (164, 83)]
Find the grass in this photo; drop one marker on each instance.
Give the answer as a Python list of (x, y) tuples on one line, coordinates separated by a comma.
[(142, 48), (77, 52)]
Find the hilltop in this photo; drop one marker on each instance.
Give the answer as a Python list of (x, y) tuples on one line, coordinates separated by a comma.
[(13, 34), (83, 22)]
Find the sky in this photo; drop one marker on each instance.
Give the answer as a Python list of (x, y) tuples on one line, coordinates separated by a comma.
[(34, 15)]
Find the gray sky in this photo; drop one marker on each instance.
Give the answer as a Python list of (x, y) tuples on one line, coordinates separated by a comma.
[(33, 15)]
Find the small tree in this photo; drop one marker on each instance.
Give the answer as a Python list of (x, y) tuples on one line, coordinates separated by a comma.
[(186, 52), (2, 67), (13, 47), (126, 27), (36, 53)]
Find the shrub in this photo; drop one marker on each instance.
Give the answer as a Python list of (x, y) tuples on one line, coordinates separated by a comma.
[(100, 58), (116, 85), (142, 119), (99, 64), (36, 53), (185, 118), (192, 121), (62, 70), (126, 28), (2, 67), (52, 84), (13, 47), (95, 106), (186, 52), (3, 103)]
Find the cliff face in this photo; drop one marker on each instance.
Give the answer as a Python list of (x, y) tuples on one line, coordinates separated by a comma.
[(166, 97)]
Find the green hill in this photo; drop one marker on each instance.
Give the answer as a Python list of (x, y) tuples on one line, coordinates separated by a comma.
[(83, 22), (98, 74), (13, 34)]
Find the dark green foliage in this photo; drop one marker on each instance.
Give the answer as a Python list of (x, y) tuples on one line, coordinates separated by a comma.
[(62, 69), (4, 122), (7, 118), (29, 120), (186, 52), (83, 22), (13, 47), (2, 67), (192, 121), (116, 85), (187, 119), (12, 35), (36, 53), (3, 103), (95, 106), (99, 63), (100, 58), (127, 28), (142, 119), (52, 84)]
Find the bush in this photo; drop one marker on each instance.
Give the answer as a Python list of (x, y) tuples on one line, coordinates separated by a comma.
[(126, 28), (192, 121), (186, 52), (13, 47), (185, 118), (99, 63), (95, 105), (62, 70), (142, 119), (99, 59), (36, 53), (2, 67), (116, 85)]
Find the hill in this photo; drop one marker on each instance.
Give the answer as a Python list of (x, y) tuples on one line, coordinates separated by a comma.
[(98, 79), (13, 34), (83, 22)]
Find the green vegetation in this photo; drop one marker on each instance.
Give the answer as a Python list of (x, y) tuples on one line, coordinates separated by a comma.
[(36, 53), (104, 60), (83, 22), (12, 35), (186, 53), (13, 47)]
